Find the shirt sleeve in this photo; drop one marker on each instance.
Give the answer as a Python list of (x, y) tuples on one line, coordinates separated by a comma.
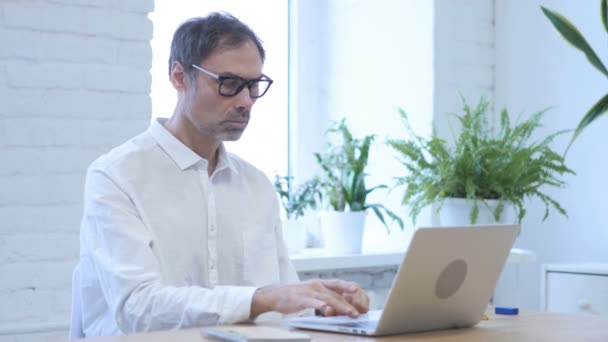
[(288, 273), (119, 247)]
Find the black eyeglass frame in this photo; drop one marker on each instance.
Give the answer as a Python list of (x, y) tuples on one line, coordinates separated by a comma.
[(237, 90)]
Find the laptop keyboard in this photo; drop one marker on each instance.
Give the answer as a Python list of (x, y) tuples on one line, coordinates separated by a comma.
[(360, 324)]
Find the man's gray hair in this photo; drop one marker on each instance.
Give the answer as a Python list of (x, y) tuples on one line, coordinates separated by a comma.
[(197, 38)]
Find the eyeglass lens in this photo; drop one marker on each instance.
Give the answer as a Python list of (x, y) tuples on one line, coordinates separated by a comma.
[(230, 86)]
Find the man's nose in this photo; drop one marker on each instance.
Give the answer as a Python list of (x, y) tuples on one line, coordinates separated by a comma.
[(244, 99)]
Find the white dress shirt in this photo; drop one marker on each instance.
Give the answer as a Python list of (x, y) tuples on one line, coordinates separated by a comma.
[(164, 245)]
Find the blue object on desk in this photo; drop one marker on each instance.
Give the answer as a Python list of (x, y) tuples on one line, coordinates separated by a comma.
[(503, 310)]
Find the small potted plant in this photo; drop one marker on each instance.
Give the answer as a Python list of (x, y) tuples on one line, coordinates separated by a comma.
[(345, 192), (296, 204), (485, 173)]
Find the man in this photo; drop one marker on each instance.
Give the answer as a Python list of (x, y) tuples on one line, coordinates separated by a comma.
[(176, 231)]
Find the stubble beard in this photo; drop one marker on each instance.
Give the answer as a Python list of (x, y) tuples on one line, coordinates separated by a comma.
[(234, 133)]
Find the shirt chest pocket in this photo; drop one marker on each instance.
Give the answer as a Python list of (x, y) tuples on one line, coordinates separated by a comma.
[(260, 259)]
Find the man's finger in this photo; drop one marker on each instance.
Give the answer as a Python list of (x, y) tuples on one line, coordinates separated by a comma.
[(310, 303), (337, 303), (340, 286), (359, 300)]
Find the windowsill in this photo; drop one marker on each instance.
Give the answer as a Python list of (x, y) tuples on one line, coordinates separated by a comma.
[(316, 259)]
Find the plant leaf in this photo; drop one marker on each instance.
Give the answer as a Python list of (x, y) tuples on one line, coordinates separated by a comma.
[(506, 165), (571, 34), (604, 14), (598, 109)]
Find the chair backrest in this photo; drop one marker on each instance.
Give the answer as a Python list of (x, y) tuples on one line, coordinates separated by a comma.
[(76, 322)]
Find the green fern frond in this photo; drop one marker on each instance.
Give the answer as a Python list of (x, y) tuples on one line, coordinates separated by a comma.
[(507, 166)]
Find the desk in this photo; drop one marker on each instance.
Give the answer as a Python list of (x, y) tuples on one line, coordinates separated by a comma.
[(529, 326)]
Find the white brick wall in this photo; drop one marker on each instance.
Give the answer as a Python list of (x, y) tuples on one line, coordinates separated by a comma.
[(74, 82), (464, 56)]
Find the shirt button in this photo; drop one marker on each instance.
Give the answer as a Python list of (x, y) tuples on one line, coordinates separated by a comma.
[(212, 266)]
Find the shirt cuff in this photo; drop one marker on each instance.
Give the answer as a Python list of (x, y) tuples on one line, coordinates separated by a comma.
[(237, 303)]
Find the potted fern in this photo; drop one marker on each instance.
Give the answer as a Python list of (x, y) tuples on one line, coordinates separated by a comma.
[(486, 172), (297, 203), (345, 191)]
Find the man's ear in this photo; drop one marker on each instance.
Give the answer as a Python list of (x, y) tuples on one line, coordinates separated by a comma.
[(179, 78)]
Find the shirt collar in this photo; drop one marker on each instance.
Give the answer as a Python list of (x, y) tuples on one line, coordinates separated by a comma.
[(183, 156), (223, 160)]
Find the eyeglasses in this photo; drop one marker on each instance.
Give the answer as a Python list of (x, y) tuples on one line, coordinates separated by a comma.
[(233, 85)]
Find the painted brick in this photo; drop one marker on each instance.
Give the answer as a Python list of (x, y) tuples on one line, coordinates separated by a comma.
[(472, 54), (135, 54), (34, 306), (37, 276), (55, 17), (44, 75), (57, 46), (138, 6), (41, 190), (43, 16), (365, 278), (384, 279), (74, 82), (37, 337), (87, 3), (76, 103), (123, 25), (471, 75), (3, 74), (142, 6), (31, 161), (118, 78), (39, 248), (85, 133), (58, 218), (2, 132)]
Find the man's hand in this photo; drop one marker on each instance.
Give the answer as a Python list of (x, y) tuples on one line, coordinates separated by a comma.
[(358, 299), (331, 297)]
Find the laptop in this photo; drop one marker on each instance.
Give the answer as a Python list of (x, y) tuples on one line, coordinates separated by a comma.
[(446, 280)]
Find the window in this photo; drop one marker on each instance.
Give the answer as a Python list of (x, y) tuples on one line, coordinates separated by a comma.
[(264, 143), (362, 60)]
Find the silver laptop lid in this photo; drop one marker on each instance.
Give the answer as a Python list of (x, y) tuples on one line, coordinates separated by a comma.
[(447, 278)]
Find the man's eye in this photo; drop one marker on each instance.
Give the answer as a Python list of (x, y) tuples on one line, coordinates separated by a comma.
[(231, 83)]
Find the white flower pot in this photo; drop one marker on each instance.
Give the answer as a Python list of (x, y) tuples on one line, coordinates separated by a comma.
[(457, 211), (314, 237), (342, 231), (294, 234)]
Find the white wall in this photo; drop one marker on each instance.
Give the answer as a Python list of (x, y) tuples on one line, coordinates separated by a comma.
[(538, 69), (464, 58), (74, 81)]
